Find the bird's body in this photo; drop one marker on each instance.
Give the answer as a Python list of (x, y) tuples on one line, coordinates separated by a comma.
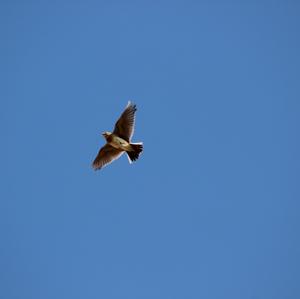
[(118, 141)]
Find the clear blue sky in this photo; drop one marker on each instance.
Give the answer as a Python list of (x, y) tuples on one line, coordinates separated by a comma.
[(211, 209)]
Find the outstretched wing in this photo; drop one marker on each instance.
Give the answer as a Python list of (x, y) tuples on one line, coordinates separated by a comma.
[(124, 127), (106, 155)]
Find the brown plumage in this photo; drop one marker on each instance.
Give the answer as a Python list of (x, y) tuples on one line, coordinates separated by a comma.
[(118, 141)]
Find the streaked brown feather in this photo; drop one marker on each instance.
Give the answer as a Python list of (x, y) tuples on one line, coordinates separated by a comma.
[(106, 155), (124, 127)]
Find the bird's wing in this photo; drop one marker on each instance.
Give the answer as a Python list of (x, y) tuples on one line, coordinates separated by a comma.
[(124, 127), (106, 155)]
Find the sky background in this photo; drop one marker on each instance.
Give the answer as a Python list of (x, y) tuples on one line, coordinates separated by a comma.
[(211, 208)]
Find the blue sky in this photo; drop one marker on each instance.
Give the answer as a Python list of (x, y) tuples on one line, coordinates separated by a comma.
[(210, 210)]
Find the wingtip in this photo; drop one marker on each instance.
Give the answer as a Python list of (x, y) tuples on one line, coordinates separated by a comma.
[(95, 168), (130, 103)]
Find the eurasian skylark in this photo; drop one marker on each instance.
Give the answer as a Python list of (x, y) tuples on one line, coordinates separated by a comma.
[(118, 141)]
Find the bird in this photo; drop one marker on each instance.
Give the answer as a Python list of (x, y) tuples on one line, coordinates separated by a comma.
[(119, 142)]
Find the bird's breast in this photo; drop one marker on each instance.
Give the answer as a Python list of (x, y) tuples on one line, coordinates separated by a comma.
[(119, 143)]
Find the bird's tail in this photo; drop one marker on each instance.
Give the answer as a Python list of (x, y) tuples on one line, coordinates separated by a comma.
[(136, 149)]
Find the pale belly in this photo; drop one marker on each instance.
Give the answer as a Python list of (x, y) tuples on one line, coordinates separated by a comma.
[(120, 143)]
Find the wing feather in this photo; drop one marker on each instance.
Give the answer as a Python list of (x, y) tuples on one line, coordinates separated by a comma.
[(106, 155), (124, 127)]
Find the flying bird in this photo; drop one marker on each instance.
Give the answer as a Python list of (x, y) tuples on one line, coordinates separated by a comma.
[(119, 141)]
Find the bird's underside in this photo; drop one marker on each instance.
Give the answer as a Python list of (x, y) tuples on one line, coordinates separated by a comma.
[(119, 143)]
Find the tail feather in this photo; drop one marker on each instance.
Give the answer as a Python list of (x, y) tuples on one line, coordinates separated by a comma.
[(134, 154)]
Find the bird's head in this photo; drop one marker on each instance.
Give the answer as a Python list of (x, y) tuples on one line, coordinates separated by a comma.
[(106, 134)]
